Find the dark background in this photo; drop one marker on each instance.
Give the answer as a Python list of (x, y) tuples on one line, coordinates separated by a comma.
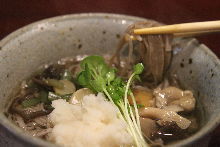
[(17, 13)]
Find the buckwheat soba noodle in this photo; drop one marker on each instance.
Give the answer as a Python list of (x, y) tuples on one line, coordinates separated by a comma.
[(124, 99)]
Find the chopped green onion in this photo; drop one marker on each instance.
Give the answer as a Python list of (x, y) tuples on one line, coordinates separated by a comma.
[(54, 83), (52, 96), (30, 102), (43, 96), (138, 68), (140, 106), (48, 107)]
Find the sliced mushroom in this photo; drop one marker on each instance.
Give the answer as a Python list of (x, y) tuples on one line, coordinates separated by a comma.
[(68, 87), (187, 102), (175, 108), (165, 116), (28, 113), (170, 96), (52, 71), (79, 94), (148, 126), (169, 131), (143, 97)]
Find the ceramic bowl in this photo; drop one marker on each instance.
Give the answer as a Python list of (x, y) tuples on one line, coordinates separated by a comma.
[(46, 41)]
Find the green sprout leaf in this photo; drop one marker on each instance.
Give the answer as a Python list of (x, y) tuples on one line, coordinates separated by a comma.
[(99, 77), (138, 68)]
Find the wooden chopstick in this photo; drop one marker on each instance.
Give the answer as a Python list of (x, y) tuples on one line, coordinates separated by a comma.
[(196, 28), (193, 34)]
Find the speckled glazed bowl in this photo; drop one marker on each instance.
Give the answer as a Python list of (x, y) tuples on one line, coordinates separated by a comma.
[(22, 52)]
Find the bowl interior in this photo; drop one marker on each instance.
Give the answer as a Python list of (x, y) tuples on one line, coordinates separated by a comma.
[(25, 50)]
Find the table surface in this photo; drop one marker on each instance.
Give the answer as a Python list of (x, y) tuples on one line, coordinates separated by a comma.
[(17, 13)]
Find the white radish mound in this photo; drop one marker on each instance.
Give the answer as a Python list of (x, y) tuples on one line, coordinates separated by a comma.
[(93, 123)]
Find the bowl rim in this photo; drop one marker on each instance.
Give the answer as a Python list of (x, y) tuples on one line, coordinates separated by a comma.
[(206, 129)]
